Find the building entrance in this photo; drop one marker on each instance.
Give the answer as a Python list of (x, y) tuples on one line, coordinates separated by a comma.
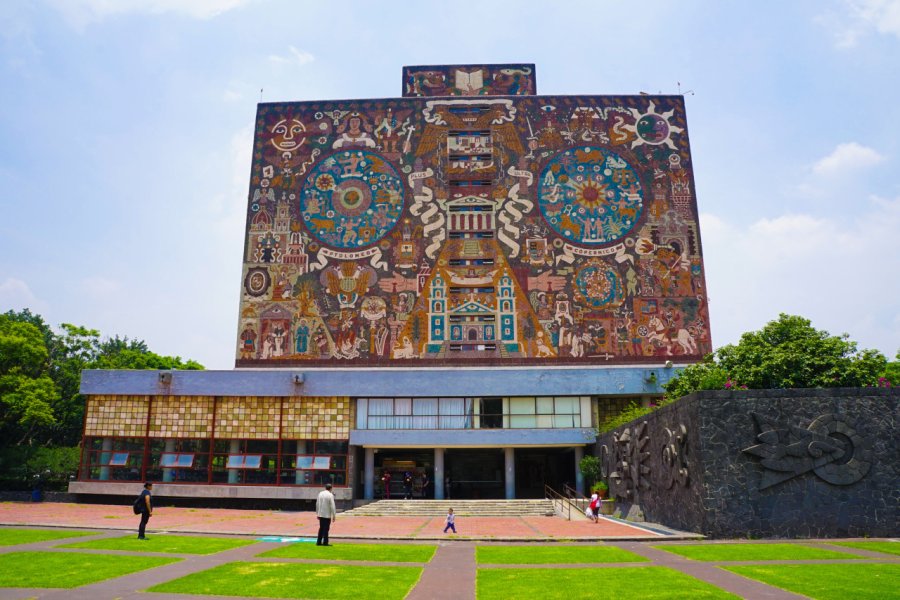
[(547, 466), (392, 467), (474, 473)]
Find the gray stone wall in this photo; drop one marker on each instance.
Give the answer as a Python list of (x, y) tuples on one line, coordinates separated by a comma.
[(762, 463)]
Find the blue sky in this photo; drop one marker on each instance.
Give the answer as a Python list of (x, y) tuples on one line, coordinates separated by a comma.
[(126, 130)]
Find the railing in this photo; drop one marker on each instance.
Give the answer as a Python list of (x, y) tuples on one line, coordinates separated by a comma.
[(575, 497), (565, 506)]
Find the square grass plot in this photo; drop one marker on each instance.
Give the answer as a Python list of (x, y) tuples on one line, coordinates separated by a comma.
[(69, 569), (171, 544), (15, 537)]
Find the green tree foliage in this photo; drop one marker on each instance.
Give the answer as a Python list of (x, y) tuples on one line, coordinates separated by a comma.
[(786, 353), (40, 375), (590, 470)]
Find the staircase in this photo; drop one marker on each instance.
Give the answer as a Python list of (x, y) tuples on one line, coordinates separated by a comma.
[(462, 508)]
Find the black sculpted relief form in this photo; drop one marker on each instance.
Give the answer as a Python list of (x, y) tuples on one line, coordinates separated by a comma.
[(829, 447), (674, 458)]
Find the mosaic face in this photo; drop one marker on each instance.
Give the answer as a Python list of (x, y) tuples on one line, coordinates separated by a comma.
[(351, 199), (590, 195)]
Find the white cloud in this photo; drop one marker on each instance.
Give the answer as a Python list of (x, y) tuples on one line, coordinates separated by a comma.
[(294, 56), (861, 17), (80, 13), (16, 295), (845, 158), (838, 272)]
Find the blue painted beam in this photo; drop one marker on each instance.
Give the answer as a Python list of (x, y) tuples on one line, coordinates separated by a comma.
[(382, 382)]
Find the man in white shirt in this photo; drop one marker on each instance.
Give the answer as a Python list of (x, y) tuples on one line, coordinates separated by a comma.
[(326, 512)]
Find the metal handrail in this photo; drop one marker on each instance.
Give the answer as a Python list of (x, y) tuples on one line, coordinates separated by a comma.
[(564, 505)]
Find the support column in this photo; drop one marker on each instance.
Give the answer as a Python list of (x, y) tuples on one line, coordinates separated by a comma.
[(438, 473), (234, 448), (579, 478), (104, 458), (369, 475), (299, 478), (169, 474), (510, 456)]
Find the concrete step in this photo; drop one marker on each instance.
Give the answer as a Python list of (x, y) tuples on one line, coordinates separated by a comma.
[(468, 508)]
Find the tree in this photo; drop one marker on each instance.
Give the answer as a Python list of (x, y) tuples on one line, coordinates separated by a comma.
[(27, 393), (786, 353)]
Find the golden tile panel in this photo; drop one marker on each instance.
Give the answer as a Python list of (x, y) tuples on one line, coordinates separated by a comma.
[(124, 416), (181, 416), (317, 418), (248, 418)]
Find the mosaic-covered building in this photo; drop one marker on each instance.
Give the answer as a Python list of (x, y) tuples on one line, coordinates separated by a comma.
[(457, 283)]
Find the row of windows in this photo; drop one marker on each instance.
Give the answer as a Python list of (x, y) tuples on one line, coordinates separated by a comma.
[(260, 462)]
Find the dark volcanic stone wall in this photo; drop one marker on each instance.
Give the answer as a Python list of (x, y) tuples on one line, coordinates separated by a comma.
[(763, 463)]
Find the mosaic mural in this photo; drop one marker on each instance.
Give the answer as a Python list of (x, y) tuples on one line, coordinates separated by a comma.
[(469, 80), (468, 228)]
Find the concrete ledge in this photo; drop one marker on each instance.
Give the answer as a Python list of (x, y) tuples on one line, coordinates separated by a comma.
[(120, 488)]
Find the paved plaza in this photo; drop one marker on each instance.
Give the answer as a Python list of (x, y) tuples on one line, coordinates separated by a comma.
[(451, 573)]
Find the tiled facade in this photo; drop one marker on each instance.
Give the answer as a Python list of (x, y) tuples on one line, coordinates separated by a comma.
[(124, 416), (181, 417)]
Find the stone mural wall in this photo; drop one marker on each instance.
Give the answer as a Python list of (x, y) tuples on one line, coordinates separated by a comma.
[(763, 463), (463, 227)]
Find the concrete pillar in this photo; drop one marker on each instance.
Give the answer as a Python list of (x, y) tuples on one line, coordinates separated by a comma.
[(369, 476), (169, 474), (510, 456), (234, 448), (298, 474), (104, 458), (439, 474), (579, 478)]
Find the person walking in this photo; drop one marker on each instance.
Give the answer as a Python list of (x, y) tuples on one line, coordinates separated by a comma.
[(327, 513), (451, 521), (594, 507), (386, 479), (145, 502)]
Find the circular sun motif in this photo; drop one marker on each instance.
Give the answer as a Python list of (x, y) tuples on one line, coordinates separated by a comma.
[(598, 284), (653, 128), (351, 199), (590, 195)]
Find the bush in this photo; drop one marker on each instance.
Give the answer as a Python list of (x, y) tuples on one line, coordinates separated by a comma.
[(26, 467), (590, 469), (629, 413)]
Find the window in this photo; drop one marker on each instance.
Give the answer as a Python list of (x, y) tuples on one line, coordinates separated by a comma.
[(174, 460), (244, 461), (118, 459)]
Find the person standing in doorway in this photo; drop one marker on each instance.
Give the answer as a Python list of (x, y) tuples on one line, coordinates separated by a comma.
[(386, 480), (327, 513), (451, 521), (425, 484), (407, 486), (146, 503)]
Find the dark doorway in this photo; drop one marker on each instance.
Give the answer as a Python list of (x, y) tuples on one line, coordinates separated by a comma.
[(398, 463), (546, 466), (475, 473)]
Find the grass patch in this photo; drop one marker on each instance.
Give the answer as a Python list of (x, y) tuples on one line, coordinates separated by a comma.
[(173, 544), (69, 569), (564, 584), (296, 580), (886, 547), (552, 555), (725, 552), (827, 582), (374, 552), (14, 537)]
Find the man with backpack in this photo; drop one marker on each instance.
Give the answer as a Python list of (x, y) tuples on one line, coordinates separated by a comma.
[(144, 506)]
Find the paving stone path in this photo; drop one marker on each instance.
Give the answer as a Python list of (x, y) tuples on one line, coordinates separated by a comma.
[(449, 575)]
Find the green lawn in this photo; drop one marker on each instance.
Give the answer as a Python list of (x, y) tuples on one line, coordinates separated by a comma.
[(14, 537), (725, 552), (296, 580), (69, 569), (613, 582), (886, 547), (173, 544), (374, 552), (548, 555), (827, 582)]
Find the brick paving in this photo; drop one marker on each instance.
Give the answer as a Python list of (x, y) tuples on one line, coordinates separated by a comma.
[(451, 574)]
